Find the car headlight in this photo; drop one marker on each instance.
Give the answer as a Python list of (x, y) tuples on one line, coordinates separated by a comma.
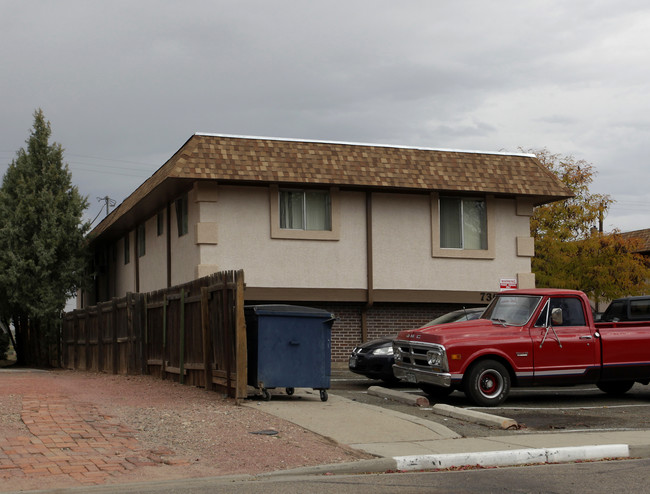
[(383, 350)]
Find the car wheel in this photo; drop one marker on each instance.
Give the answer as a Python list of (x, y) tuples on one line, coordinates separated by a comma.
[(615, 388), (487, 383)]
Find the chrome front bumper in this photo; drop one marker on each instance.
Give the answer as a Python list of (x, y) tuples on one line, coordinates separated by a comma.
[(408, 374)]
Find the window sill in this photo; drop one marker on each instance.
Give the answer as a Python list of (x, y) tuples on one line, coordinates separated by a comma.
[(463, 253), (304, 234)]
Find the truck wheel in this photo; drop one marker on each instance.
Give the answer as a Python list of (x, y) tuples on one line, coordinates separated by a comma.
[(487, 383), (615, 388)]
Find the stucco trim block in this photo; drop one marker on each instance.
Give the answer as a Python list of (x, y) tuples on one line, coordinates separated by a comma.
[(205, 270), (525, 246), (525, 280), (206, 233)]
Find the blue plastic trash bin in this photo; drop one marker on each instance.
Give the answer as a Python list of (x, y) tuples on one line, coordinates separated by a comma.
[(289, 346)]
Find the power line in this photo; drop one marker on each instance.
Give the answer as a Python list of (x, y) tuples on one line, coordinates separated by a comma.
[(109, 203), (110, 159)]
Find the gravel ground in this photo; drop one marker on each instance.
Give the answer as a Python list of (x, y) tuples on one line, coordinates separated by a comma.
[(203, 428)]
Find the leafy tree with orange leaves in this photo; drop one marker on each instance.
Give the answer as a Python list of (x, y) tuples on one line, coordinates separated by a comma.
[(571, 250)]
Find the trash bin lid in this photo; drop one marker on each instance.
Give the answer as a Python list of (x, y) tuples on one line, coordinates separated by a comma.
[(287, 310)]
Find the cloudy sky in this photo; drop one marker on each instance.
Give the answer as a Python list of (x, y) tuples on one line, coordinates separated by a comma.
[(126, 83)]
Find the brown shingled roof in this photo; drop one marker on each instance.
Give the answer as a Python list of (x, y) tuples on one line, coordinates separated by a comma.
[(264, 160), (642, 235)]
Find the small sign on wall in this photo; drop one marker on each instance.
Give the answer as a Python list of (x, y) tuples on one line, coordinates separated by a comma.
[(507, 284)]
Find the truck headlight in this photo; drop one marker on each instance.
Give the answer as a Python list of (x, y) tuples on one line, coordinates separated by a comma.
[(396, 354), (434, 358)]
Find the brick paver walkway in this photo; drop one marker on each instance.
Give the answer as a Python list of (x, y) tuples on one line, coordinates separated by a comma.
[(70, 440)]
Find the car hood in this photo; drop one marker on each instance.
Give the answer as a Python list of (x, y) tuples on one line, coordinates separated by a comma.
[(454, 330), (379, 342)]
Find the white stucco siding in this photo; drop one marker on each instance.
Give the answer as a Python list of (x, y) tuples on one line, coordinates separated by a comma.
[(402, 248), (243, 216), (153, 265), (125, 273), (185, 253)]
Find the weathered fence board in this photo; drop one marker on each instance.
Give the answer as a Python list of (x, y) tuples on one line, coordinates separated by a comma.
[(193, 333)]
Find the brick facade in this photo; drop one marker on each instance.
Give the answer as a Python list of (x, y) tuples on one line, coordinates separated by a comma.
[(383, 320)]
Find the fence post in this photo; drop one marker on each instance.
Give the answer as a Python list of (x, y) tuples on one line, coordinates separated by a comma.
[(116, 349), (181, 377), (207, 336), (241, 355), (164, 338), (144, 335), (100, 339), (130, 343)]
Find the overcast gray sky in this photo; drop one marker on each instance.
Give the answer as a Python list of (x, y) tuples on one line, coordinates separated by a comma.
[(126, 83)]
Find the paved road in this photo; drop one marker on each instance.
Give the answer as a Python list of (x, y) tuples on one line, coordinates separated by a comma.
[(582, 408), (574, 478)]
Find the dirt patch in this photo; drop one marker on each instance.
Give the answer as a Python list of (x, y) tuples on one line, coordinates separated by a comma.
[(180, 431)]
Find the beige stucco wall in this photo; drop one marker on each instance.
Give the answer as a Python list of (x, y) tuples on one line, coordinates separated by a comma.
[(402, 248), (242, 217), (125, 273), (153, 265), (185, 253), (230, 228)]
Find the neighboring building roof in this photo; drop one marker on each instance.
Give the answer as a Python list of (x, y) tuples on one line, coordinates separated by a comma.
[(643, 236), (231, 159)]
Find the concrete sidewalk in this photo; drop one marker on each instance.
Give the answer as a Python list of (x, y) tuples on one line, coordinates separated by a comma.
[(404, 442)]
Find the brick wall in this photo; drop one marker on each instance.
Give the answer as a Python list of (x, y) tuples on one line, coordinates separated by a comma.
[(383, 320)]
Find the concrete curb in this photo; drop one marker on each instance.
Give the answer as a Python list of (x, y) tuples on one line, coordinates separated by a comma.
[(513, 457), (378, 465), (528, 456), (474, 416), (383, 465), (391, 394), (445, 410)]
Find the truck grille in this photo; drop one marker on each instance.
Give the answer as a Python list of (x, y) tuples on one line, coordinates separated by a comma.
[(417, 355)]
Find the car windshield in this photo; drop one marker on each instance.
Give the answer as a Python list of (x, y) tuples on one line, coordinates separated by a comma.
[(455, 316), (512, 310)]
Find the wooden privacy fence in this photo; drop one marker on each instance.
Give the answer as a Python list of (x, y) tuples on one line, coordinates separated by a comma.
[(193, 333)]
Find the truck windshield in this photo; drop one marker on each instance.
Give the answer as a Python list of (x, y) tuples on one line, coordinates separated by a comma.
[(512, 310)]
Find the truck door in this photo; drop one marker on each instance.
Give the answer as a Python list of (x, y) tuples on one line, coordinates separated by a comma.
[(564, 348)]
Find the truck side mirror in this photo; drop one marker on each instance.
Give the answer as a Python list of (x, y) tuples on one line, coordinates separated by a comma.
[(556, 316)]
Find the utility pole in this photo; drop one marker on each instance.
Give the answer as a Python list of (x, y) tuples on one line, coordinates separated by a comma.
[(109, 202)]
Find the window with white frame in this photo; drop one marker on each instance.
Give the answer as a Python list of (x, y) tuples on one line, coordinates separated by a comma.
[(463, 223), (305, 210)]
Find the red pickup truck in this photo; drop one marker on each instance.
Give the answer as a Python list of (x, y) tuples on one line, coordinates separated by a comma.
[(525, 338)]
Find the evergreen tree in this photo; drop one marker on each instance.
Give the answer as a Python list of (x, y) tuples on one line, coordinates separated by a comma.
[(42, 243)]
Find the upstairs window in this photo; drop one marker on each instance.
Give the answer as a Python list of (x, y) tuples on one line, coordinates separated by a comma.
[(181, 215), (142, 247), (127, 249), (160, 223), (463, 224), (305, 210)]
